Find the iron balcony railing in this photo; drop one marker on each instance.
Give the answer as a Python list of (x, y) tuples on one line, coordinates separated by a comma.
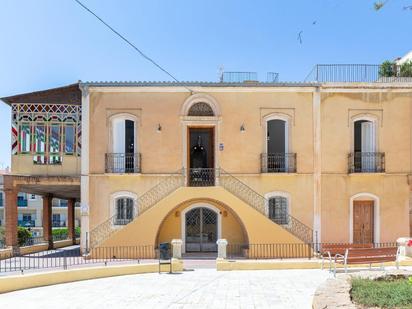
[(352, 73), (26, 223), (123, 163), (201, 177), (278, 162), (366, 162), (58, 223)]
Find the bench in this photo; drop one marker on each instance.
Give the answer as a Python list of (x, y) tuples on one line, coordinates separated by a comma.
[(367, 256), (329, 251)]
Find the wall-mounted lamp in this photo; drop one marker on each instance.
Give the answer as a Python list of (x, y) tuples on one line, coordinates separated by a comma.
[(242, 128), (159, 128)]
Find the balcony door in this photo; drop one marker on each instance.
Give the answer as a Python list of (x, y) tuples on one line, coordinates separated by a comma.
[(277, 145), (123, 145), (201, 156), (364, 146)]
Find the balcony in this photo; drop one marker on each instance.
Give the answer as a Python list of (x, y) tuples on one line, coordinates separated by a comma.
[(201, 177), (58, 223), (122, 163), (278, 162), (22, 203), (26, 223), (366, 162)]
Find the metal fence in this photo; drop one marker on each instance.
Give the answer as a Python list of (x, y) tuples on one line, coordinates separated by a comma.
[(352, 73), (278, 162), (202, 177), (238, 77), (123, 162), (65, 258), (288, 250), (366, 162)]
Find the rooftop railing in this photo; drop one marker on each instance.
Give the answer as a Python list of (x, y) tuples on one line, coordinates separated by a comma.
[(356, 73), (240, 77)]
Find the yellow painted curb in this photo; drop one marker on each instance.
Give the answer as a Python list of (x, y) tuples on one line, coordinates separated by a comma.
[(224, 265), (20, 282)]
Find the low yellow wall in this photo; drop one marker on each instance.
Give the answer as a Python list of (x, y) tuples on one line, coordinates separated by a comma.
[(6, 253), (20, 282), (34, 248)]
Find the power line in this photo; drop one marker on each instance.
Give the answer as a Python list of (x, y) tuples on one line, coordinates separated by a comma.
[(130, 43)]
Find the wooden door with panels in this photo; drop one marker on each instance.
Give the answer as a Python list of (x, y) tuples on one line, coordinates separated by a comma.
[(363, 222)]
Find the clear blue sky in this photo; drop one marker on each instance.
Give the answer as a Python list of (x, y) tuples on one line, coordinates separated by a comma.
[(49, 43)]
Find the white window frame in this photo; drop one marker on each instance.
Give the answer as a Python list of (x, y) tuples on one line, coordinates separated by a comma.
[(273, 194), (113, 200), (365, 117), (123, 117), (286, 119)]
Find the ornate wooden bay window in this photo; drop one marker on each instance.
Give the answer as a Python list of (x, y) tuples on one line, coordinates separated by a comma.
[(47, 132)]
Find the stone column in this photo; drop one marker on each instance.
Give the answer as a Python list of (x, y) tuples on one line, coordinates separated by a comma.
[(177, 248), (47, 219), (10, 211), (70, 220), (221, 248)]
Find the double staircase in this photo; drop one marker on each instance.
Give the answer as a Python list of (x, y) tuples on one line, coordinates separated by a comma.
[(176, 180)]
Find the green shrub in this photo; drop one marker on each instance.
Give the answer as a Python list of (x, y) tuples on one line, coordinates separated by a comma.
[(387, 69), (387, 293), (406, 69), (60, 233), (23, 236)]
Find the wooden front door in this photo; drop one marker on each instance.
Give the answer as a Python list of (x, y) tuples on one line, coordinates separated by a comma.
[(363, 214)]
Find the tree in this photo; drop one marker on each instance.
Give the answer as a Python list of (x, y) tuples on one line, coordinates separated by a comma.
[(387, 69)]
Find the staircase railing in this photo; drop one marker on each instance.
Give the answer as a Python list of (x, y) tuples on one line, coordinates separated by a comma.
[(166, 186), (257, 201)]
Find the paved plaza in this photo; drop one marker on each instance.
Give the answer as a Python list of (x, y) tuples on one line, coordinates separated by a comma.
[(200, 288)]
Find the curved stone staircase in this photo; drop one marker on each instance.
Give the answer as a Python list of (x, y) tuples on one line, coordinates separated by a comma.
[(176, 180)]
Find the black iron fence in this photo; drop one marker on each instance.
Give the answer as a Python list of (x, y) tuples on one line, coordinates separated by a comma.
[(278, 162), (288, 250), (123, 163), (64, 258), (31, 241), (366, 162), (202, 177)]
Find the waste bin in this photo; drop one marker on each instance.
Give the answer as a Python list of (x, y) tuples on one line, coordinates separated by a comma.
[(164, 251)]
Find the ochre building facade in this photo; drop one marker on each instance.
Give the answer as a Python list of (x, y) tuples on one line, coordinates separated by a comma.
[(252, 163)]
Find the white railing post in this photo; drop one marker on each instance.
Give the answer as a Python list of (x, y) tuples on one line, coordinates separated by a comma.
[(221, 248), (177, 248)]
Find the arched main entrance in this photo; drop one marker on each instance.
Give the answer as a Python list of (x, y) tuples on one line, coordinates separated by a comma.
[(201, 229)]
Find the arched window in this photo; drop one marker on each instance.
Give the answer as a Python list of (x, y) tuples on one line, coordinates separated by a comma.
[(200, 109), (124, 211), (278, 210)]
